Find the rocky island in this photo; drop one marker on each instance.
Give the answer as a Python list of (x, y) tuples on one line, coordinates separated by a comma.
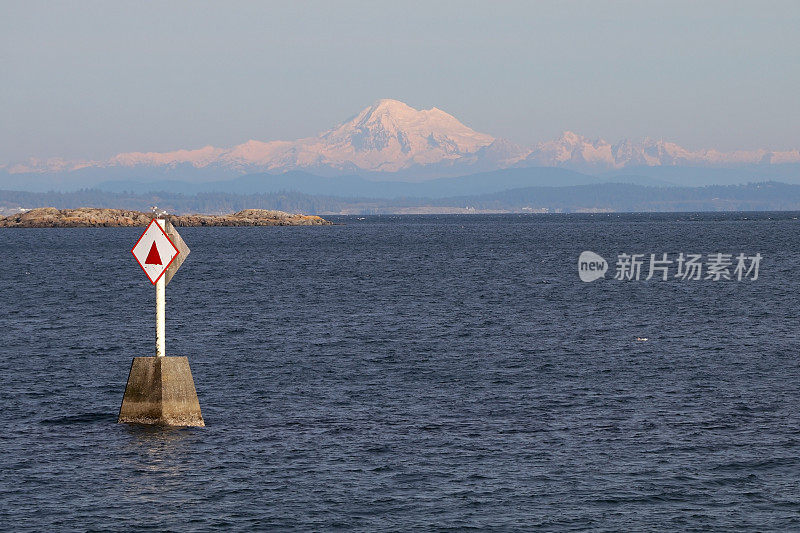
[(88, 217)]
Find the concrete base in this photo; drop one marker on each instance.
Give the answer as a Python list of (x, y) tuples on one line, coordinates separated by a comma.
[(161, 391)]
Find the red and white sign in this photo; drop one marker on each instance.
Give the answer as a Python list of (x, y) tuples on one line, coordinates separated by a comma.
[(154, 251)]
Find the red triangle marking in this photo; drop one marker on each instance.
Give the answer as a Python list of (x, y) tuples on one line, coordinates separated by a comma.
[(153, 258)]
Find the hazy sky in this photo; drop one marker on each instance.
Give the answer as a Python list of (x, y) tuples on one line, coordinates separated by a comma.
[(90, 79)]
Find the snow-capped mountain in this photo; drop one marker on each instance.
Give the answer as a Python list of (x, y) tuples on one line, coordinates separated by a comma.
[(390, 136), (576, 152), (386, 137)]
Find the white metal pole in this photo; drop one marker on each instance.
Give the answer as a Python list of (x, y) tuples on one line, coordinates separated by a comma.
[(160, 308)]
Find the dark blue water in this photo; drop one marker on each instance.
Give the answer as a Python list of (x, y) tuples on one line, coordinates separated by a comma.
[(403, 373)]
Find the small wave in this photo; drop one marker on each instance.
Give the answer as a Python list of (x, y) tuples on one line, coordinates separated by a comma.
[(82, 418), (757, 464)]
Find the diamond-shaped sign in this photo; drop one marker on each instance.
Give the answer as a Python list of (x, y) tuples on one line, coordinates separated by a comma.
[(154, 251)]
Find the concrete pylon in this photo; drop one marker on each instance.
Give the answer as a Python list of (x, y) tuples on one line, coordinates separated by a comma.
[(161, 391)]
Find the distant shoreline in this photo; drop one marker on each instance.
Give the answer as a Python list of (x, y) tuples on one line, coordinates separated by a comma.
[(605, 197), (89, 217)]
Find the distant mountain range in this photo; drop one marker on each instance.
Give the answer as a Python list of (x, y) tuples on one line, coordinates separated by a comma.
[(589, 198), (391, 141)]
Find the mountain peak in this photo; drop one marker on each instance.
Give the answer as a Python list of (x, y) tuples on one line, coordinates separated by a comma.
[(405, 116), (386, 111), (391, 135), (571, 137), (388, 104)]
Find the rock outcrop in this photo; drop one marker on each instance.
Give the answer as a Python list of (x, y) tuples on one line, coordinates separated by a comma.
[(87, 217)]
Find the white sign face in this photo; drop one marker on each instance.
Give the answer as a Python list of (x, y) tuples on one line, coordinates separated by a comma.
[(154, 251)]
